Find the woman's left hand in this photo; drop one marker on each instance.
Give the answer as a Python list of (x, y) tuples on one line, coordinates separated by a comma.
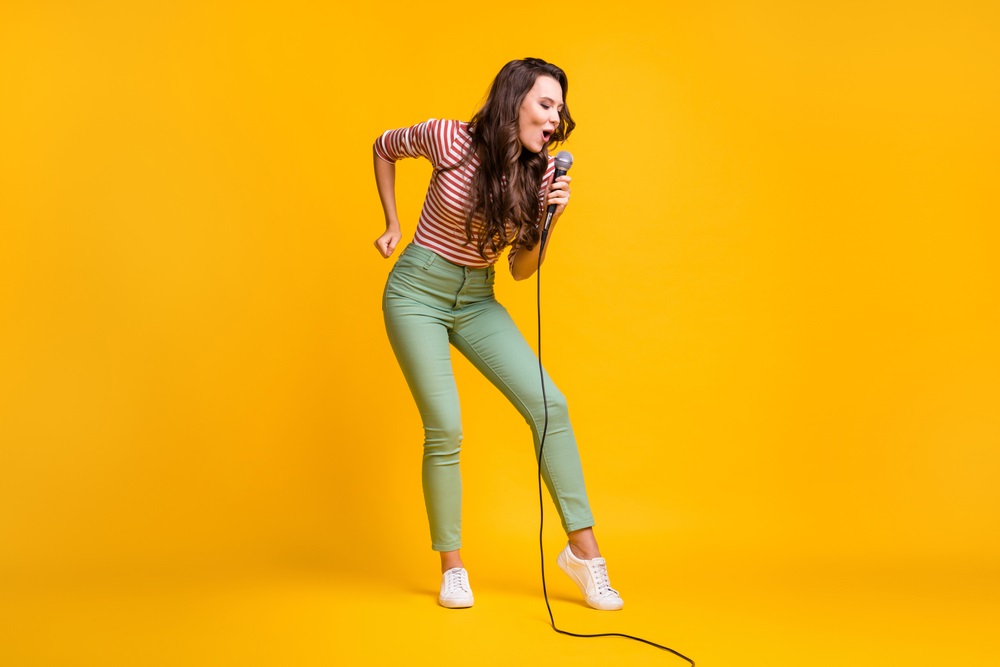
[(559, 195)]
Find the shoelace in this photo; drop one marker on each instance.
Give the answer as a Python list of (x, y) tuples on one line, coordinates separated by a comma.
[(600, 573), (456, 582)]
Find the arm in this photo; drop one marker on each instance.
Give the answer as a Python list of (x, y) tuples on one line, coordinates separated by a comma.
[(385, 180), (525, 262)]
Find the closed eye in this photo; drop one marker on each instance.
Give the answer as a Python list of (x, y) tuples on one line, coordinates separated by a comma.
[(546, 103)]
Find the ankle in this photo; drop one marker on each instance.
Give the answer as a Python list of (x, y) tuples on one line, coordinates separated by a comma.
[(584, 551), (450, 560), (583, 544)]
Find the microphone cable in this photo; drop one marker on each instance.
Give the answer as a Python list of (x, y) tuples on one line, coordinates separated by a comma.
[(541, 504)]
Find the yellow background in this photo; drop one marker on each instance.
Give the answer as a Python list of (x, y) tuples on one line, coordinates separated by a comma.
[(773, 305)]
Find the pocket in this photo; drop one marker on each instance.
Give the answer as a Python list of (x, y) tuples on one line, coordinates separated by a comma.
[(409, 280), (405, 266)]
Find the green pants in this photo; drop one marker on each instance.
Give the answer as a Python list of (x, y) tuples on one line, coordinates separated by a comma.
[(430, 303)]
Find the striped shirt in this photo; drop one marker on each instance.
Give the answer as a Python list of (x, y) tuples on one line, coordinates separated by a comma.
[(441, 226)]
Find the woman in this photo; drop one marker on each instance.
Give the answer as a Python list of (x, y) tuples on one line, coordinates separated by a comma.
[(493, 179)]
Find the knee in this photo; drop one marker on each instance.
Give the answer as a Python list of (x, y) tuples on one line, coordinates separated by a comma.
[(558, 407), (555, 403), (443, 440)]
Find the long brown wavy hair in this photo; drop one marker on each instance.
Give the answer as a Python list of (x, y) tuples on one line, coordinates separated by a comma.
[(504, 189)]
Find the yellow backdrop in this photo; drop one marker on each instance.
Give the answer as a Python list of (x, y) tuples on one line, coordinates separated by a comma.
[(773, 302)]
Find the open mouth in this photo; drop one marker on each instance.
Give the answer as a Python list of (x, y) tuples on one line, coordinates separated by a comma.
[(545, 135)]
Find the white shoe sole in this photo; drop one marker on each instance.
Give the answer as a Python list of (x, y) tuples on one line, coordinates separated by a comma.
[(463, 603)]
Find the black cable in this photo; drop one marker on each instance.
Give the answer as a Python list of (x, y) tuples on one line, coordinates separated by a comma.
[(541, 505)]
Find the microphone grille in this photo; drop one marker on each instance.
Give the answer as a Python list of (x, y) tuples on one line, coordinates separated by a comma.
[(564, 160)]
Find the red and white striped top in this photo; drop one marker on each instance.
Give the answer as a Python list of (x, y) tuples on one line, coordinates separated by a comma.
[(441, 227)]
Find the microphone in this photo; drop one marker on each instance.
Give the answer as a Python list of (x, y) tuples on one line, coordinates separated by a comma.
[(564, 160)]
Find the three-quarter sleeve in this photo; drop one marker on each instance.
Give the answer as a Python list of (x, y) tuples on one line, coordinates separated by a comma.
[(418, 140)]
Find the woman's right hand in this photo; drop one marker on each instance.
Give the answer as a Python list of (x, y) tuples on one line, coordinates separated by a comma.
[(386, 243)]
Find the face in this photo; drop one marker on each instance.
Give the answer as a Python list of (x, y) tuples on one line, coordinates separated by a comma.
[(538, 117)]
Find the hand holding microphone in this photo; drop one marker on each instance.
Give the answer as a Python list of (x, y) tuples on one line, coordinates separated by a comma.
[(564, 160)]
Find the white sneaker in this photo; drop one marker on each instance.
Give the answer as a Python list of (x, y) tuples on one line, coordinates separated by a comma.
[(455, 590), (592, 578)]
